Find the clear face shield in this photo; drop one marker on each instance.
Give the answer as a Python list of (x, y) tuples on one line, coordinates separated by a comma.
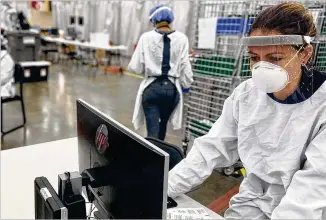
[(275, 61)]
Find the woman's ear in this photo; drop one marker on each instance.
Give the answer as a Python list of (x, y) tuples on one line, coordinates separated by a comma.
[(307, 53)]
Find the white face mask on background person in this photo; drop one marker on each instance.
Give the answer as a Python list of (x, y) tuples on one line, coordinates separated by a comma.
[(269, 77)]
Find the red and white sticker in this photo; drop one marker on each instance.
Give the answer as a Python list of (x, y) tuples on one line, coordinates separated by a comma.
[(43, 72), (27, 73)]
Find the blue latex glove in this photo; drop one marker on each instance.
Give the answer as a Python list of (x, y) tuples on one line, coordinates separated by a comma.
[(185, 90)]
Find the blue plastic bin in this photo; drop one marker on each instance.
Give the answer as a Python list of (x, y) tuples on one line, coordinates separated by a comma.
[(232, 25)]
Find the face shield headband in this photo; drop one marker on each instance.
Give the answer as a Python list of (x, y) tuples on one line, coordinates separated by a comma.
[(276, 40)]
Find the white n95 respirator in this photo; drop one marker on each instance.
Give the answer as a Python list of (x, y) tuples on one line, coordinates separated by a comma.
[(269, 77)]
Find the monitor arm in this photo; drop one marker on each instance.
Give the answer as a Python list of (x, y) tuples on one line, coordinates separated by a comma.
[(71, 186), (95, 177), (72, 183)]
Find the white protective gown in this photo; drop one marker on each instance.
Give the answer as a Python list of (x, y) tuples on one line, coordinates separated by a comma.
[(147, 60), (7, 75), (282, 147)]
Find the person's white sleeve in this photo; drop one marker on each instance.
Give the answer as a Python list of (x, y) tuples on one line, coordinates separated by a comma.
[(186, 75), (218, 148), (137, 62), (7, 68), (305, 198)]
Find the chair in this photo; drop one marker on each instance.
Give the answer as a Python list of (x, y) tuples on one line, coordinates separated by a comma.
[(46, 51), (18, 74), (175, 152)]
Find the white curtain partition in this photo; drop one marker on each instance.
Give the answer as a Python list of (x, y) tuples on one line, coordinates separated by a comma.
[(125, 20), (15, 5)]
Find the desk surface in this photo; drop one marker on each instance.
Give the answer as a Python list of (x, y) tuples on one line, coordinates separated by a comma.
[(20, 166), (83, 44)]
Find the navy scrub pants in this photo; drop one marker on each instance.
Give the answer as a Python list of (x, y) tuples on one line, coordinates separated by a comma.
[(159, 100)]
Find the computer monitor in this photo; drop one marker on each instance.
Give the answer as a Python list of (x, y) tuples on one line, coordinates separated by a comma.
[(135, 170), (23, 22), (71, 32), (54, 32), (47, 202)]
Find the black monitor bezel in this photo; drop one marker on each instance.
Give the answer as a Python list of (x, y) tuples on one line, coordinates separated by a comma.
[(138, 139)]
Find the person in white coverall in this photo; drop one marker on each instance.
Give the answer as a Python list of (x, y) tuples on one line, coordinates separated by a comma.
[(7, 73), (274, 122), (162, 55)]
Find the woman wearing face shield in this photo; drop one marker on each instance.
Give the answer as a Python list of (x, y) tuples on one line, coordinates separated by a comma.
[(275, 123), (162, 55)]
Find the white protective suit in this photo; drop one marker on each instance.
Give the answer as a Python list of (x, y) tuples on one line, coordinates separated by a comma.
[(147, 60), (7, 75), (282, 147)]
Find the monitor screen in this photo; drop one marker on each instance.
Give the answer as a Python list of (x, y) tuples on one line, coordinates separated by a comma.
[(55, 32), (135, 170)]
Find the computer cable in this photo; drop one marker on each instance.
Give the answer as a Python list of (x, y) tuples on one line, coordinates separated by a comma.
[(68, 193), (75, 204), (91, 209)]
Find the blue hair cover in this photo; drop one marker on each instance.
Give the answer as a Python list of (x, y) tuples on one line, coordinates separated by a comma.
[(161, 13)]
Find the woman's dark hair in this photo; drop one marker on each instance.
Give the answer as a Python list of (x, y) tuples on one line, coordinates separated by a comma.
[(290, 18)]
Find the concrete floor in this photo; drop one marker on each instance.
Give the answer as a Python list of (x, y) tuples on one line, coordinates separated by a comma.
[(51, 113), (51, 106)]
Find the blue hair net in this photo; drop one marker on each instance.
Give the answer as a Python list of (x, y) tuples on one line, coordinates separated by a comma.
[(161, 13)]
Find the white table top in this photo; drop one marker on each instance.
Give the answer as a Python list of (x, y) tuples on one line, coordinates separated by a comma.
[(20, 166), (84, 44), (35, 63)]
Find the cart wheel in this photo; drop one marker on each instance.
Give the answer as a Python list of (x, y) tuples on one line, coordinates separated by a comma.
[(228, 171)]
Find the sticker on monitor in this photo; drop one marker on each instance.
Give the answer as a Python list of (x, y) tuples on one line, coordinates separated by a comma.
[(101, 139), (27, 73), (43, 72)]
